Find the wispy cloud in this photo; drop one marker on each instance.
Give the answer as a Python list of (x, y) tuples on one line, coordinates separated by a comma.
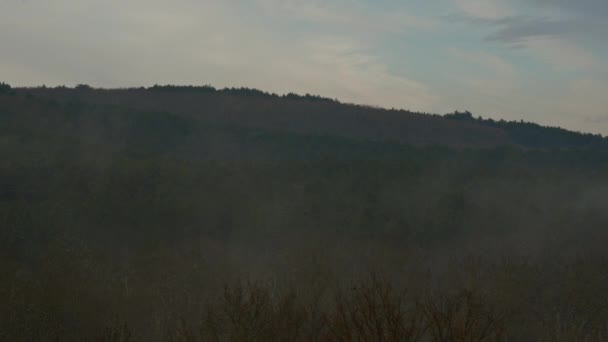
[(563, 54), (556, 35), (349, 71), (355, 15), (581, 19), (596, 8), (514, 30), (484, 9), (497, 65)]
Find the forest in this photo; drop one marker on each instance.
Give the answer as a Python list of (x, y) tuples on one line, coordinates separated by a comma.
[(190, 213)]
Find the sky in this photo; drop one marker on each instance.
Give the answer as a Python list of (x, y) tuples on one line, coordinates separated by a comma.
[(538, 60)]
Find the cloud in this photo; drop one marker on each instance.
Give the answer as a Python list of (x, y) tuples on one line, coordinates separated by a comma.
[(560, 33), (563, 54), (512, 30), (484, 9), (577, 20), (499, 66), (345, 69), (355, 15), (586, 7)]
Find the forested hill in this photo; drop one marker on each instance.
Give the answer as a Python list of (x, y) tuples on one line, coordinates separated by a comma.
[(231, 121), (161, 213)]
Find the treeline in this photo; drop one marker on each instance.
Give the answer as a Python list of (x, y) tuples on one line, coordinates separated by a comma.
[(237, 91), (242, 91), (533, 135), (315, 114)]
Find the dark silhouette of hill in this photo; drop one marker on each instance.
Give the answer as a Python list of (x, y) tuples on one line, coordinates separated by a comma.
[(310, 115)]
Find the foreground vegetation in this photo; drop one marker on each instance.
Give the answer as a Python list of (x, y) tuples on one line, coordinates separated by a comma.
[(123, 222)]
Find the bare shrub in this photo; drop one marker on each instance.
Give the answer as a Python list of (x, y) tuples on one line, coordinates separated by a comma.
[(374, 311), (462, 316), (252, 313)]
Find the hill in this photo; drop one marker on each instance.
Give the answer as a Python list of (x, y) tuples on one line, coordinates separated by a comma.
[(197, 214), (291, 114)]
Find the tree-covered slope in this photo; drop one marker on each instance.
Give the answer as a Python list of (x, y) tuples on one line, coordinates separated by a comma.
[(143, 206)]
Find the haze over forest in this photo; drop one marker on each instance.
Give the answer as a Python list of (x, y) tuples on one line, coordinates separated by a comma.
[(181, 213), (290, 170)]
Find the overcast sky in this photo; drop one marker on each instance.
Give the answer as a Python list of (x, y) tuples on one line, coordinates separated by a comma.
[(538, 60)]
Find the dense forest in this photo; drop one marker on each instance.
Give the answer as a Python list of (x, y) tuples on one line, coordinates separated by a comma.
[(180, 213)]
